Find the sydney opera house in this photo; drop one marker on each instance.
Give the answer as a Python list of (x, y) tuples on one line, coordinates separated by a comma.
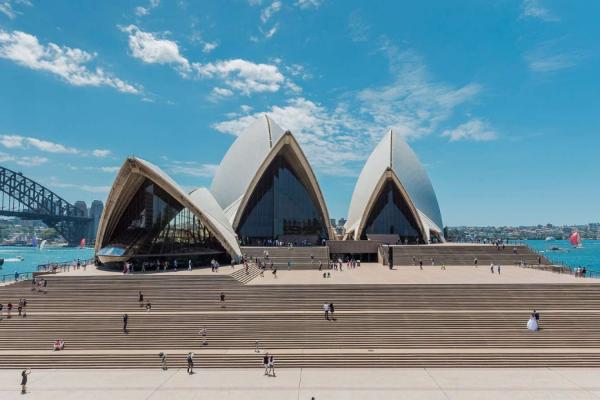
[(264, 193)]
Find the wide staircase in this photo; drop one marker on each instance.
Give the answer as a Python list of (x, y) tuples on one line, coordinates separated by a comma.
[(298, 257), (465, 255), (375, 326)]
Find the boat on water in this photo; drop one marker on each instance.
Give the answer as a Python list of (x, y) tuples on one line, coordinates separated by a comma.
[(575, 240), (550, 239), (14, 259), (43, 244)]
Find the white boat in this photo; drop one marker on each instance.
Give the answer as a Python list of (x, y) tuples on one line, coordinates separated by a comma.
[(43, 244), (550, 239)]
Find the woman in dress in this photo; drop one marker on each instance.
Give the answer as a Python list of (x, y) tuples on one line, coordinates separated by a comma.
[(532, 324)]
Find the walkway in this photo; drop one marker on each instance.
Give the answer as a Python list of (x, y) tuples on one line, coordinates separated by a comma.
[(296, 384)]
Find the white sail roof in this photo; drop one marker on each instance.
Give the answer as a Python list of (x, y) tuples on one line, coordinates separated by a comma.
[(243, 159), (394, 153), (200, 202)]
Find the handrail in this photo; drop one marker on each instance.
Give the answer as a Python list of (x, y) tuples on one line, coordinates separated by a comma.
[(62, 266), (17, 277)]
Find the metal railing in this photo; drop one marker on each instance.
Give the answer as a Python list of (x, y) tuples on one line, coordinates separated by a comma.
[(64, 266), (558, 267), (16, 277)]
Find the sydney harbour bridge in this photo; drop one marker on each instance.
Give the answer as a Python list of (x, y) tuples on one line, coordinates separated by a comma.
[(26, 199)]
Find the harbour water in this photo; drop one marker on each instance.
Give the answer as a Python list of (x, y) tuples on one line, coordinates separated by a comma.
[(32, 257), (587, 256)]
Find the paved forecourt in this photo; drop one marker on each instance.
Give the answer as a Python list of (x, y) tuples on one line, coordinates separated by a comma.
[(376, 274), (306, 383)]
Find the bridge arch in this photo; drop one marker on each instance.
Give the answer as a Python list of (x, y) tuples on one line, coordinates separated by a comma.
[(25, 198)]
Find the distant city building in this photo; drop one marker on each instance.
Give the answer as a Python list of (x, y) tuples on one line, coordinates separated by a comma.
[(80, 205), (95, 213)]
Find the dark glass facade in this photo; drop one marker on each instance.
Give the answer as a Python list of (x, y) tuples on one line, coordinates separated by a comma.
[(281, 208), (391, 215), (156, 225)]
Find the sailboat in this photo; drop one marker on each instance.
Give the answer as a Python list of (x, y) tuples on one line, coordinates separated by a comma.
[(34, 242), (575, 240), (43, 244)]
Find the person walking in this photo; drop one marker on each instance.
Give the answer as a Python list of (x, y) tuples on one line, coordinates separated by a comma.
[(190, 363), (271, 366), (498, 267), (420, 264), (163, 360), (256, 347), (332, 310), (24, 375), (141, 298), (204, 333), (125, 320), (475, 261), (266, 363), (326, 310), (189, 265), (492, 268), (222, 299)]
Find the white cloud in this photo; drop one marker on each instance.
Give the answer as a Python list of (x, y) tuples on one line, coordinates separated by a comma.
[(143, 11), (46, 146), (7, 7), (270, 11), (255, 2), (222, 92), (109, 169), (308, 3), (244, 76), (475, 129), (31, 161), (338, 138), (17, 141), (413, 104), (209, 46), (56, 183), (359, 29), (542, 60), (4, 157), (101, 153), (24, 161), (68, 63), (151, 49), (237, 74), (298, 70), (269, 33), (246, 108), (331, 139), (535, 9)]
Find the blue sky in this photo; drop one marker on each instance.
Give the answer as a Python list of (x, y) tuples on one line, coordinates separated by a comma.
[(500, 100)]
